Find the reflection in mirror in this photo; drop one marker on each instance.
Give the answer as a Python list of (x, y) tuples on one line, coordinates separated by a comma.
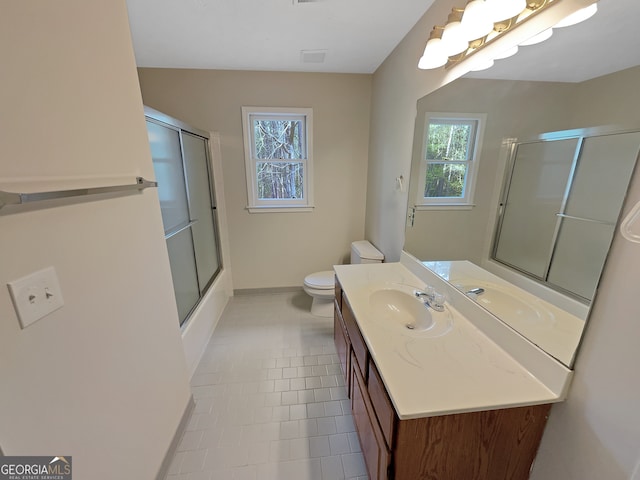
[(561, 204), (519, 110), (555, 330)]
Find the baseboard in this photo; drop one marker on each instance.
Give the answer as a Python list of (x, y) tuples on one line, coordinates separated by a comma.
[(262, 291), (173, 446)]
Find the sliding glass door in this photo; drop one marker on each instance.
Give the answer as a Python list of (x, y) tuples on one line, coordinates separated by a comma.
[(185, 187)]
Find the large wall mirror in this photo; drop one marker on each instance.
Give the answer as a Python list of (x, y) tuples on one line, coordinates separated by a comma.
[(559, 146)]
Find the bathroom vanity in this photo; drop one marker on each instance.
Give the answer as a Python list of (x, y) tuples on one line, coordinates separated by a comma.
[(435, 395)]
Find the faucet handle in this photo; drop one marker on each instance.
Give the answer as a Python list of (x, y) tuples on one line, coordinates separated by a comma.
[(437, 302)]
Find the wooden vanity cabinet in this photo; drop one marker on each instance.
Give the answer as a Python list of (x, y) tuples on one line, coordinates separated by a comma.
[(486, 445), (343, 345), (374, 447)]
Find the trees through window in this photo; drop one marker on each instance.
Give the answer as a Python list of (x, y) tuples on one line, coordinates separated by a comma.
[(449, 159), (278, 157)]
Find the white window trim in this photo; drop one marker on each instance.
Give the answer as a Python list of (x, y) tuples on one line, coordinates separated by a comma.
[(254, 205), (452, 203)]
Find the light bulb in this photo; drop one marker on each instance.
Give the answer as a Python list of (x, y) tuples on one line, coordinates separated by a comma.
[(579, 16), (539, 38), (475, 20), (504, 9), (482, 65), (433, 56), (454, 40), (507, 53)]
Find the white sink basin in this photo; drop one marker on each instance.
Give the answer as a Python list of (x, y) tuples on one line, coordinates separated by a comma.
[(395, 307), (400, 310)]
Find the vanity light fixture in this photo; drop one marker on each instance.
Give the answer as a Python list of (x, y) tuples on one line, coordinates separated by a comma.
[(469, 30), (509, 52), (434, 55), (505, 9), (454, 37), (477, 20), (482, 65), (539, 38), (579, 16)]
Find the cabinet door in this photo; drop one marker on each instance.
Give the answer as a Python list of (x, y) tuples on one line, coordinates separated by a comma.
[(355, 337), (381, 403), (343, 346), (374, 449)]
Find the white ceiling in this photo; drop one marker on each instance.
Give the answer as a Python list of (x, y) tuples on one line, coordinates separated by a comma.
[(357, 35)]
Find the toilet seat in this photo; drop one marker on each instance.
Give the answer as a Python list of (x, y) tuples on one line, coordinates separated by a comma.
[(320, 280)]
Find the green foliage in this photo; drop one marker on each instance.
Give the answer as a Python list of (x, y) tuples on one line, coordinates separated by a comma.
[(448, 142), (445, 180), (447, 149)]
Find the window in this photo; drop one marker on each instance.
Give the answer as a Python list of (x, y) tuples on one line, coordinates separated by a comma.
[(278, 158), (449, 166)]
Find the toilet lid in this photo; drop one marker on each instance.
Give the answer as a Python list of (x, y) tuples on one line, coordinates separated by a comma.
[(320, 280)]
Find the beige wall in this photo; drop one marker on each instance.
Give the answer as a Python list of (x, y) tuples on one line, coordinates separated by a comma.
[(608, 100), (397, 85), (104, 378), (595, 434), (280, 249)]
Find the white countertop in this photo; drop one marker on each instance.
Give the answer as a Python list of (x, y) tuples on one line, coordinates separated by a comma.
[(462, 370)]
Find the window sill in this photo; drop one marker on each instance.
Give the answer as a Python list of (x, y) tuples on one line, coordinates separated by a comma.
[(446, 206), (272, 209)]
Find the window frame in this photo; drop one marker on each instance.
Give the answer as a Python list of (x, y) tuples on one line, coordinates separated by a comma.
[(472, 162), (254, 203)]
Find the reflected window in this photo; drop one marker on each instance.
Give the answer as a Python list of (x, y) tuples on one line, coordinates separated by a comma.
[(450, 147)]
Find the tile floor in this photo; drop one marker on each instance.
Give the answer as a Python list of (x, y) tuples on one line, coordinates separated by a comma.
[(270, 399)]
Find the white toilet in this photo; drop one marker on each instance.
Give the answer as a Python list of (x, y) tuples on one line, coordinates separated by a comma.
[(320, 285)]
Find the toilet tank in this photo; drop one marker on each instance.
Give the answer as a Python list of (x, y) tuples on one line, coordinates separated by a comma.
[(363, 252)]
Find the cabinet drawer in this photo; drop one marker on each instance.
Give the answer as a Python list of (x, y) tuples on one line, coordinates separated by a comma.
[(343, 348), (338, 290), (382, 404), (374, 449), (355, 337)]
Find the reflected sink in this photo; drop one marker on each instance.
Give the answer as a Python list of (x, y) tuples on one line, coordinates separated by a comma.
[(508, 305)]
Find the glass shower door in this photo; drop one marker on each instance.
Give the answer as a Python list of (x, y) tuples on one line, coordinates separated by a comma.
[(536, 193), (202, 206), (589, 220), (185, 189)]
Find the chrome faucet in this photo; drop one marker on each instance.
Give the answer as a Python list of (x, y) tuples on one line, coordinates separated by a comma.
[(420, 294), (433, 299), (475, 291)]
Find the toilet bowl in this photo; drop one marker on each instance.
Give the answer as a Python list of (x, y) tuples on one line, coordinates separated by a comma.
[(320, 285)]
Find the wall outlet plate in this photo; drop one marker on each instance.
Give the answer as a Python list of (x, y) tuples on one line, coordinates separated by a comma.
[(36, 295)]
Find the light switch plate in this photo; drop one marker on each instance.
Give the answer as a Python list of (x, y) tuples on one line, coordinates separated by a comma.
[(36, 295)]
